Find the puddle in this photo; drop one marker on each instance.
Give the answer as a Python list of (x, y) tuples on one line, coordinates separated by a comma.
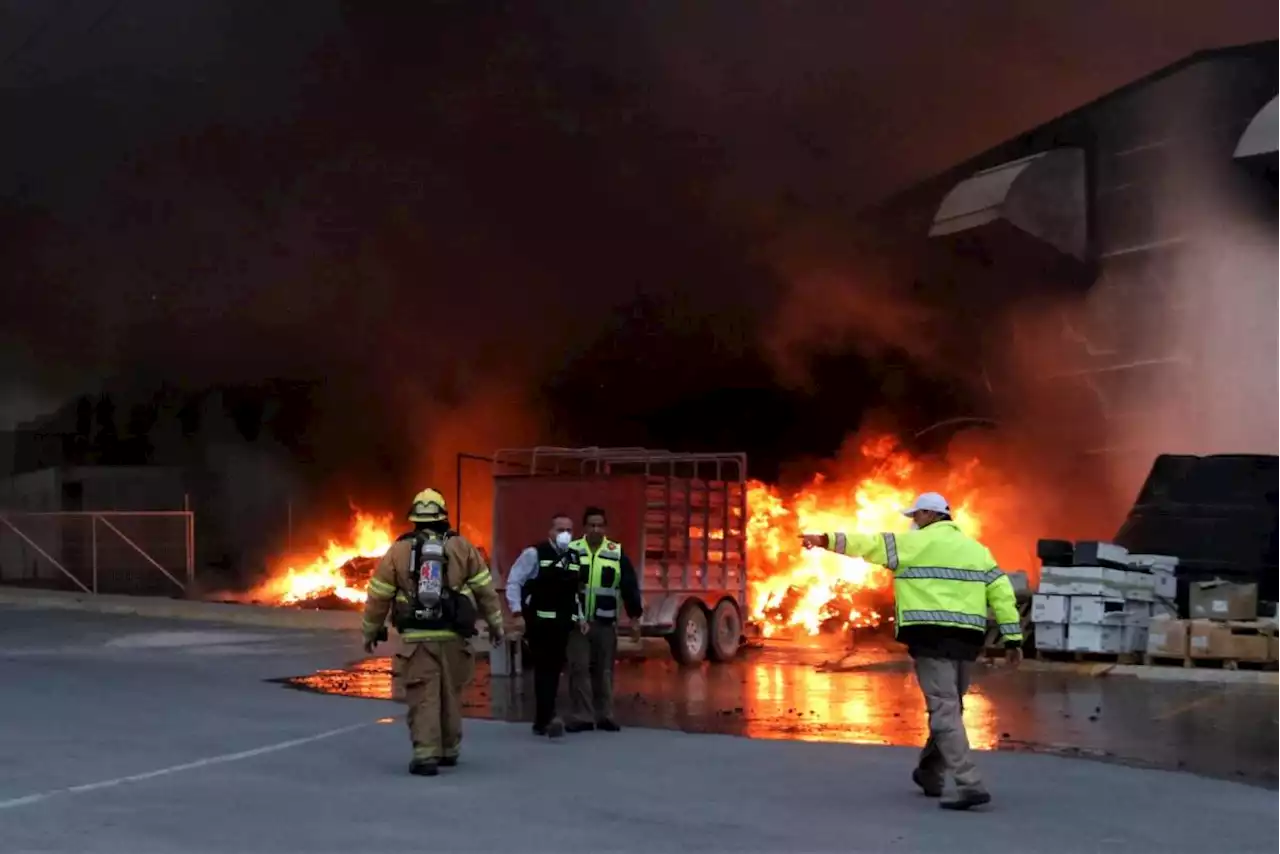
[(791, 693)]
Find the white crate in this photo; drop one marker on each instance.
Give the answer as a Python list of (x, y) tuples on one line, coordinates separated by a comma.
[(1088, 637), (1051, 636), (1049, 608)]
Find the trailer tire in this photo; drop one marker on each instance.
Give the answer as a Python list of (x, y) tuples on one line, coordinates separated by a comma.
[(690, 639), (726, 631)]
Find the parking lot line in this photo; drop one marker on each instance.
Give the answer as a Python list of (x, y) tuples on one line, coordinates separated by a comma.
[(27, 800)]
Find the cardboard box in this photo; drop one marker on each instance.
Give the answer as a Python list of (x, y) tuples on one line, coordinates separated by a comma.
[(1134, 638), (1223, 600), (1109, 611), (1166, 585), (1094, 553), (1167, 637), (1137, 613), (1051, 636), (1097, 610), (1209, 639), (1154, 562), (1062, 580), (1250, 647), (1164, 608), (1138, 586), (1088, 637), (1082, 581), (1049, 608), (1273, 649)]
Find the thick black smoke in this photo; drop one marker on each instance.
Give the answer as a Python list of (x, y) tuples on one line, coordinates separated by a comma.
[(462, 225)]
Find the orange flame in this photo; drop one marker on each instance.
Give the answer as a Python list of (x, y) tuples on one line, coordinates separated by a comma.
[(807, 591), (791, 589), (295, 581)]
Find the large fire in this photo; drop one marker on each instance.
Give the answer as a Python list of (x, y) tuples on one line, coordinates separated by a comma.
[(798, 590), (792, 590)]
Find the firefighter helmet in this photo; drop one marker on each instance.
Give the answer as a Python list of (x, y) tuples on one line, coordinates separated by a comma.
[(428, 506)]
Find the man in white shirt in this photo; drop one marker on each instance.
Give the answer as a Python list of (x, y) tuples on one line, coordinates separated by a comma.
[(542, 591)]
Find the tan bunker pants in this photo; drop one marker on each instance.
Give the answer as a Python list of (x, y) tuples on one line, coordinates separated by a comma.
[(434, 674), (944, 683)]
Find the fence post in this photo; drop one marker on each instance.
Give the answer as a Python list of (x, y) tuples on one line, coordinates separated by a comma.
[(93, 549)]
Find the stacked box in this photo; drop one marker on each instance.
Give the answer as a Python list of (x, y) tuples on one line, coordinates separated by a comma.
[(1097, 606), (1167, 637), (1252, 639)]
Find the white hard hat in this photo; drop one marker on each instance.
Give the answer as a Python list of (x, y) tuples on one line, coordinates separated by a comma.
[(929, 501)]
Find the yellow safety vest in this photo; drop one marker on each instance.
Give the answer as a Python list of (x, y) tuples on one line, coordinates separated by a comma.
[(941, 577), (602, 579)]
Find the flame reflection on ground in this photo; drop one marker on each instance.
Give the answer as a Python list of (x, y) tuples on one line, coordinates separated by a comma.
[(778, 694)]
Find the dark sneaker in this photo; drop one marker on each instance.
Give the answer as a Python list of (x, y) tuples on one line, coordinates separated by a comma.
[(424, 767), (448, 761), (579, 726), (555, 729), (607, 725), (965, 800), (931, 786)]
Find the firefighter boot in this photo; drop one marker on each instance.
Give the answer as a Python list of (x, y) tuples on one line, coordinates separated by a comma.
[(930, 785), (966, 798), (424, 767), (448, 761)]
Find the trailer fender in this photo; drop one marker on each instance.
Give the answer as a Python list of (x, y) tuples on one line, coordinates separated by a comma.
[(665, 609)]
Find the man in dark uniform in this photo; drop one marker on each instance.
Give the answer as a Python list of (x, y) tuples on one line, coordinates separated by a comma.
[(542, 588)]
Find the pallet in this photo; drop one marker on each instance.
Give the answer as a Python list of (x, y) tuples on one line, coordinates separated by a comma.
[(992, 643), (1097, 657), (1208, 663)]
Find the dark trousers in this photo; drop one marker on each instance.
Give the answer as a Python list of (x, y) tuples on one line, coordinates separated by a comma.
[(591, 658), (548, 640)]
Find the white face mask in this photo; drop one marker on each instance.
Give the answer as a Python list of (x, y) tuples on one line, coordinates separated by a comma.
[(914, 527), (563, 539)]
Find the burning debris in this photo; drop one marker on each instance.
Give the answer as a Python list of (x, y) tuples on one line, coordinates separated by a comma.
[(792, 591), (337, 576)]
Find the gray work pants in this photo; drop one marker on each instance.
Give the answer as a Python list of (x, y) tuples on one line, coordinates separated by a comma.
[(590, 659), (944, 683)]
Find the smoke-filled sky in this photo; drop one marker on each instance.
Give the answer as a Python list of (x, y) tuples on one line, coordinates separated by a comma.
[(553, 220)]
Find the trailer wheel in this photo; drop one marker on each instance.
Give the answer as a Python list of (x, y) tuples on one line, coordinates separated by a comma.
[(726, 631), (690, 639)]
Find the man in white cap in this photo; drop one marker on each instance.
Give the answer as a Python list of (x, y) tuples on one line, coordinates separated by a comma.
[(944, 583)]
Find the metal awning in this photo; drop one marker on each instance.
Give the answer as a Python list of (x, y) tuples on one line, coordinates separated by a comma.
[(1260, 137), (1042, 195)]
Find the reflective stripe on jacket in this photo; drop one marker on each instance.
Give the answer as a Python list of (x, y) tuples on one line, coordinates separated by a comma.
[(392, 581), (941, 577), (602, 579)]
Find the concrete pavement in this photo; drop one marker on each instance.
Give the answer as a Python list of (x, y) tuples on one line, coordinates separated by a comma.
[(125, 734)]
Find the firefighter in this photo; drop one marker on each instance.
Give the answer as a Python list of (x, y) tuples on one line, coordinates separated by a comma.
[(542, 588), (944, 583), (431, 580), (605, 574)]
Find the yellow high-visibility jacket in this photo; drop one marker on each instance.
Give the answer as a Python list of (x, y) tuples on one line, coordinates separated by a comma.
[(941, 577)]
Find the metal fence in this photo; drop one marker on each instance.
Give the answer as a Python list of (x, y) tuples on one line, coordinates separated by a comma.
[(108, 552)]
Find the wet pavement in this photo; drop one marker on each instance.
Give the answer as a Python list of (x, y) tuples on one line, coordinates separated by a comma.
[(780, 691), (156, 736)]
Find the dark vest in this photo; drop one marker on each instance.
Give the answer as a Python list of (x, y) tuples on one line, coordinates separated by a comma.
[(553, 594)]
